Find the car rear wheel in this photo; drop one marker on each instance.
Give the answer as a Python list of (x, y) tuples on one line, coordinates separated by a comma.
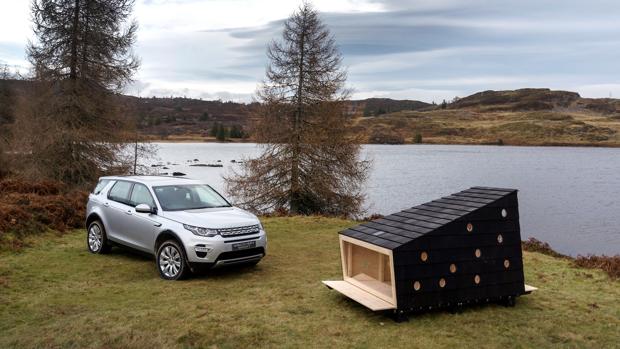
[(96, 238), (171, 261)]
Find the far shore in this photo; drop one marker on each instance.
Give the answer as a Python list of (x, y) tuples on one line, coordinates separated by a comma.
[(200, 139)]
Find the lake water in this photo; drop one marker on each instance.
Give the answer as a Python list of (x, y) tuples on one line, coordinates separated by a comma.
[(569, 197)]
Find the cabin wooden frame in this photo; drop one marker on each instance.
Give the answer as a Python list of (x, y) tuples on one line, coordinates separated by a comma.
[(460, 249)]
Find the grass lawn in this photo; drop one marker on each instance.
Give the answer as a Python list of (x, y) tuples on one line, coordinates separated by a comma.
[(56, 294)]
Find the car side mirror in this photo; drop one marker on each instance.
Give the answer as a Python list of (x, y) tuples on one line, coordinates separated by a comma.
[(144, 208)]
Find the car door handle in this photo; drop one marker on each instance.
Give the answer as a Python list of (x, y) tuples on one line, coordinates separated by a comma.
[(107, 204), (157, 224), (128, 212)]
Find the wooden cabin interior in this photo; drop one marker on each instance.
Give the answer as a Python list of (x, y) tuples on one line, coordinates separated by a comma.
[(368, 267)]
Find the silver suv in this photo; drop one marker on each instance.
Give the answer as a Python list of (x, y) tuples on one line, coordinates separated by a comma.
[(183, 222)]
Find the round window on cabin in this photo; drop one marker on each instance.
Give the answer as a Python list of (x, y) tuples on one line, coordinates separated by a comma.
[(504, 213), (417, 285), (506, 263), (500, 238), (477, 279), (442, 282), (453, 268), (478, 253), (470, 227), (424, 256)]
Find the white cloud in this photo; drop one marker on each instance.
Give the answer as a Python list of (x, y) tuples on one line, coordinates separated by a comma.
[(417, 49), (15, 24), (599, 90)]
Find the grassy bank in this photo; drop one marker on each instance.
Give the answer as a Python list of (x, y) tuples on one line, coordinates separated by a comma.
[(55, 294), (465, 126)]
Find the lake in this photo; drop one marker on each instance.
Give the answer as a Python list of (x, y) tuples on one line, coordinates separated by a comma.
[(569, 197)]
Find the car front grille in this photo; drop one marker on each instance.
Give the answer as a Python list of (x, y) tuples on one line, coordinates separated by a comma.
[(240, 254), (251, 229)]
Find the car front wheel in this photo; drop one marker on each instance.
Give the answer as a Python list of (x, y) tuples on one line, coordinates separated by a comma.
[(171, 261)]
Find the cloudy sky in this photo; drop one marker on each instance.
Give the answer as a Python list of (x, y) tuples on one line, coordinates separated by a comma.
[(417, 49)]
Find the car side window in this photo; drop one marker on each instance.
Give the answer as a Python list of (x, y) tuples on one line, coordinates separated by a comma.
[(141, 195), (100, 185), (120, 192)]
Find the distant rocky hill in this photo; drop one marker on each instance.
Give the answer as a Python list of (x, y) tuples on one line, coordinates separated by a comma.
[(519, 117), (380, 106), (524, 117), (517, 100)]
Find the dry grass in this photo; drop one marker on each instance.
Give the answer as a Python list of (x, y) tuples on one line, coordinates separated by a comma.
[(464, 126), (56, 294)]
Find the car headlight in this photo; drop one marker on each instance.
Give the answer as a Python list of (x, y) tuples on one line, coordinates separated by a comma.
[(201, 231)]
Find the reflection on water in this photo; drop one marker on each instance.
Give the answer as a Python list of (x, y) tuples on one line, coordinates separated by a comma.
[(569, 197)]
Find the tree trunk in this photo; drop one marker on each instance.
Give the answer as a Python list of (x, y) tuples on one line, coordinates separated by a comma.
[(74, 42), (295, 190)]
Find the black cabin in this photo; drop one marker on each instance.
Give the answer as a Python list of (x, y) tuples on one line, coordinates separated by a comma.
[(460, 249)]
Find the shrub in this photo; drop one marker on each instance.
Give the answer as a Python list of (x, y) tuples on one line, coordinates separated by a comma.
[(417, 138), (611, 265), (535, 245), (30, 208)]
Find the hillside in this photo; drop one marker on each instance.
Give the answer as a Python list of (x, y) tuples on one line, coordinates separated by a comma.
[(518, 117), (77, 299)]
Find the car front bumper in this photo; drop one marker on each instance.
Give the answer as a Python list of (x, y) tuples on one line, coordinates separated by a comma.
[(218, 251)]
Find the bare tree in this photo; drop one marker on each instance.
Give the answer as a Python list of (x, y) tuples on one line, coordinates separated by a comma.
[(310, 162), (81, 58), (7, 106)]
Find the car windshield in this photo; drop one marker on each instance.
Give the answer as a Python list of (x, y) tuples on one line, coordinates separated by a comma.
[(188, 197)]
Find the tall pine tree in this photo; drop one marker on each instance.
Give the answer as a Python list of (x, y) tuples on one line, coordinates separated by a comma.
[(81, 57), (309, 162)]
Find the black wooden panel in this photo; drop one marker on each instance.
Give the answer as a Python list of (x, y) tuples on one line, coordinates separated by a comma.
[(506, 190), (372, 228), (414, 301), (451, 201), (491, 213), (466, 281), (394, 228), (389, 236), (422, 217), (372, 239), (379, 223), (437, 242), (461, 197), (495, 193), (454, 206), (435, 208), (453, 255), (419, 272), (479, 227), (478, 195), (432, 213), (412, 221)]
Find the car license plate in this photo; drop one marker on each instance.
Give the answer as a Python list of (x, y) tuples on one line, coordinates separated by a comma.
[(243, 245)]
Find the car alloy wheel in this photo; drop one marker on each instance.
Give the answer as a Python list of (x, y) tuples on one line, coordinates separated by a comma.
[(170, 261), (95, 238)]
